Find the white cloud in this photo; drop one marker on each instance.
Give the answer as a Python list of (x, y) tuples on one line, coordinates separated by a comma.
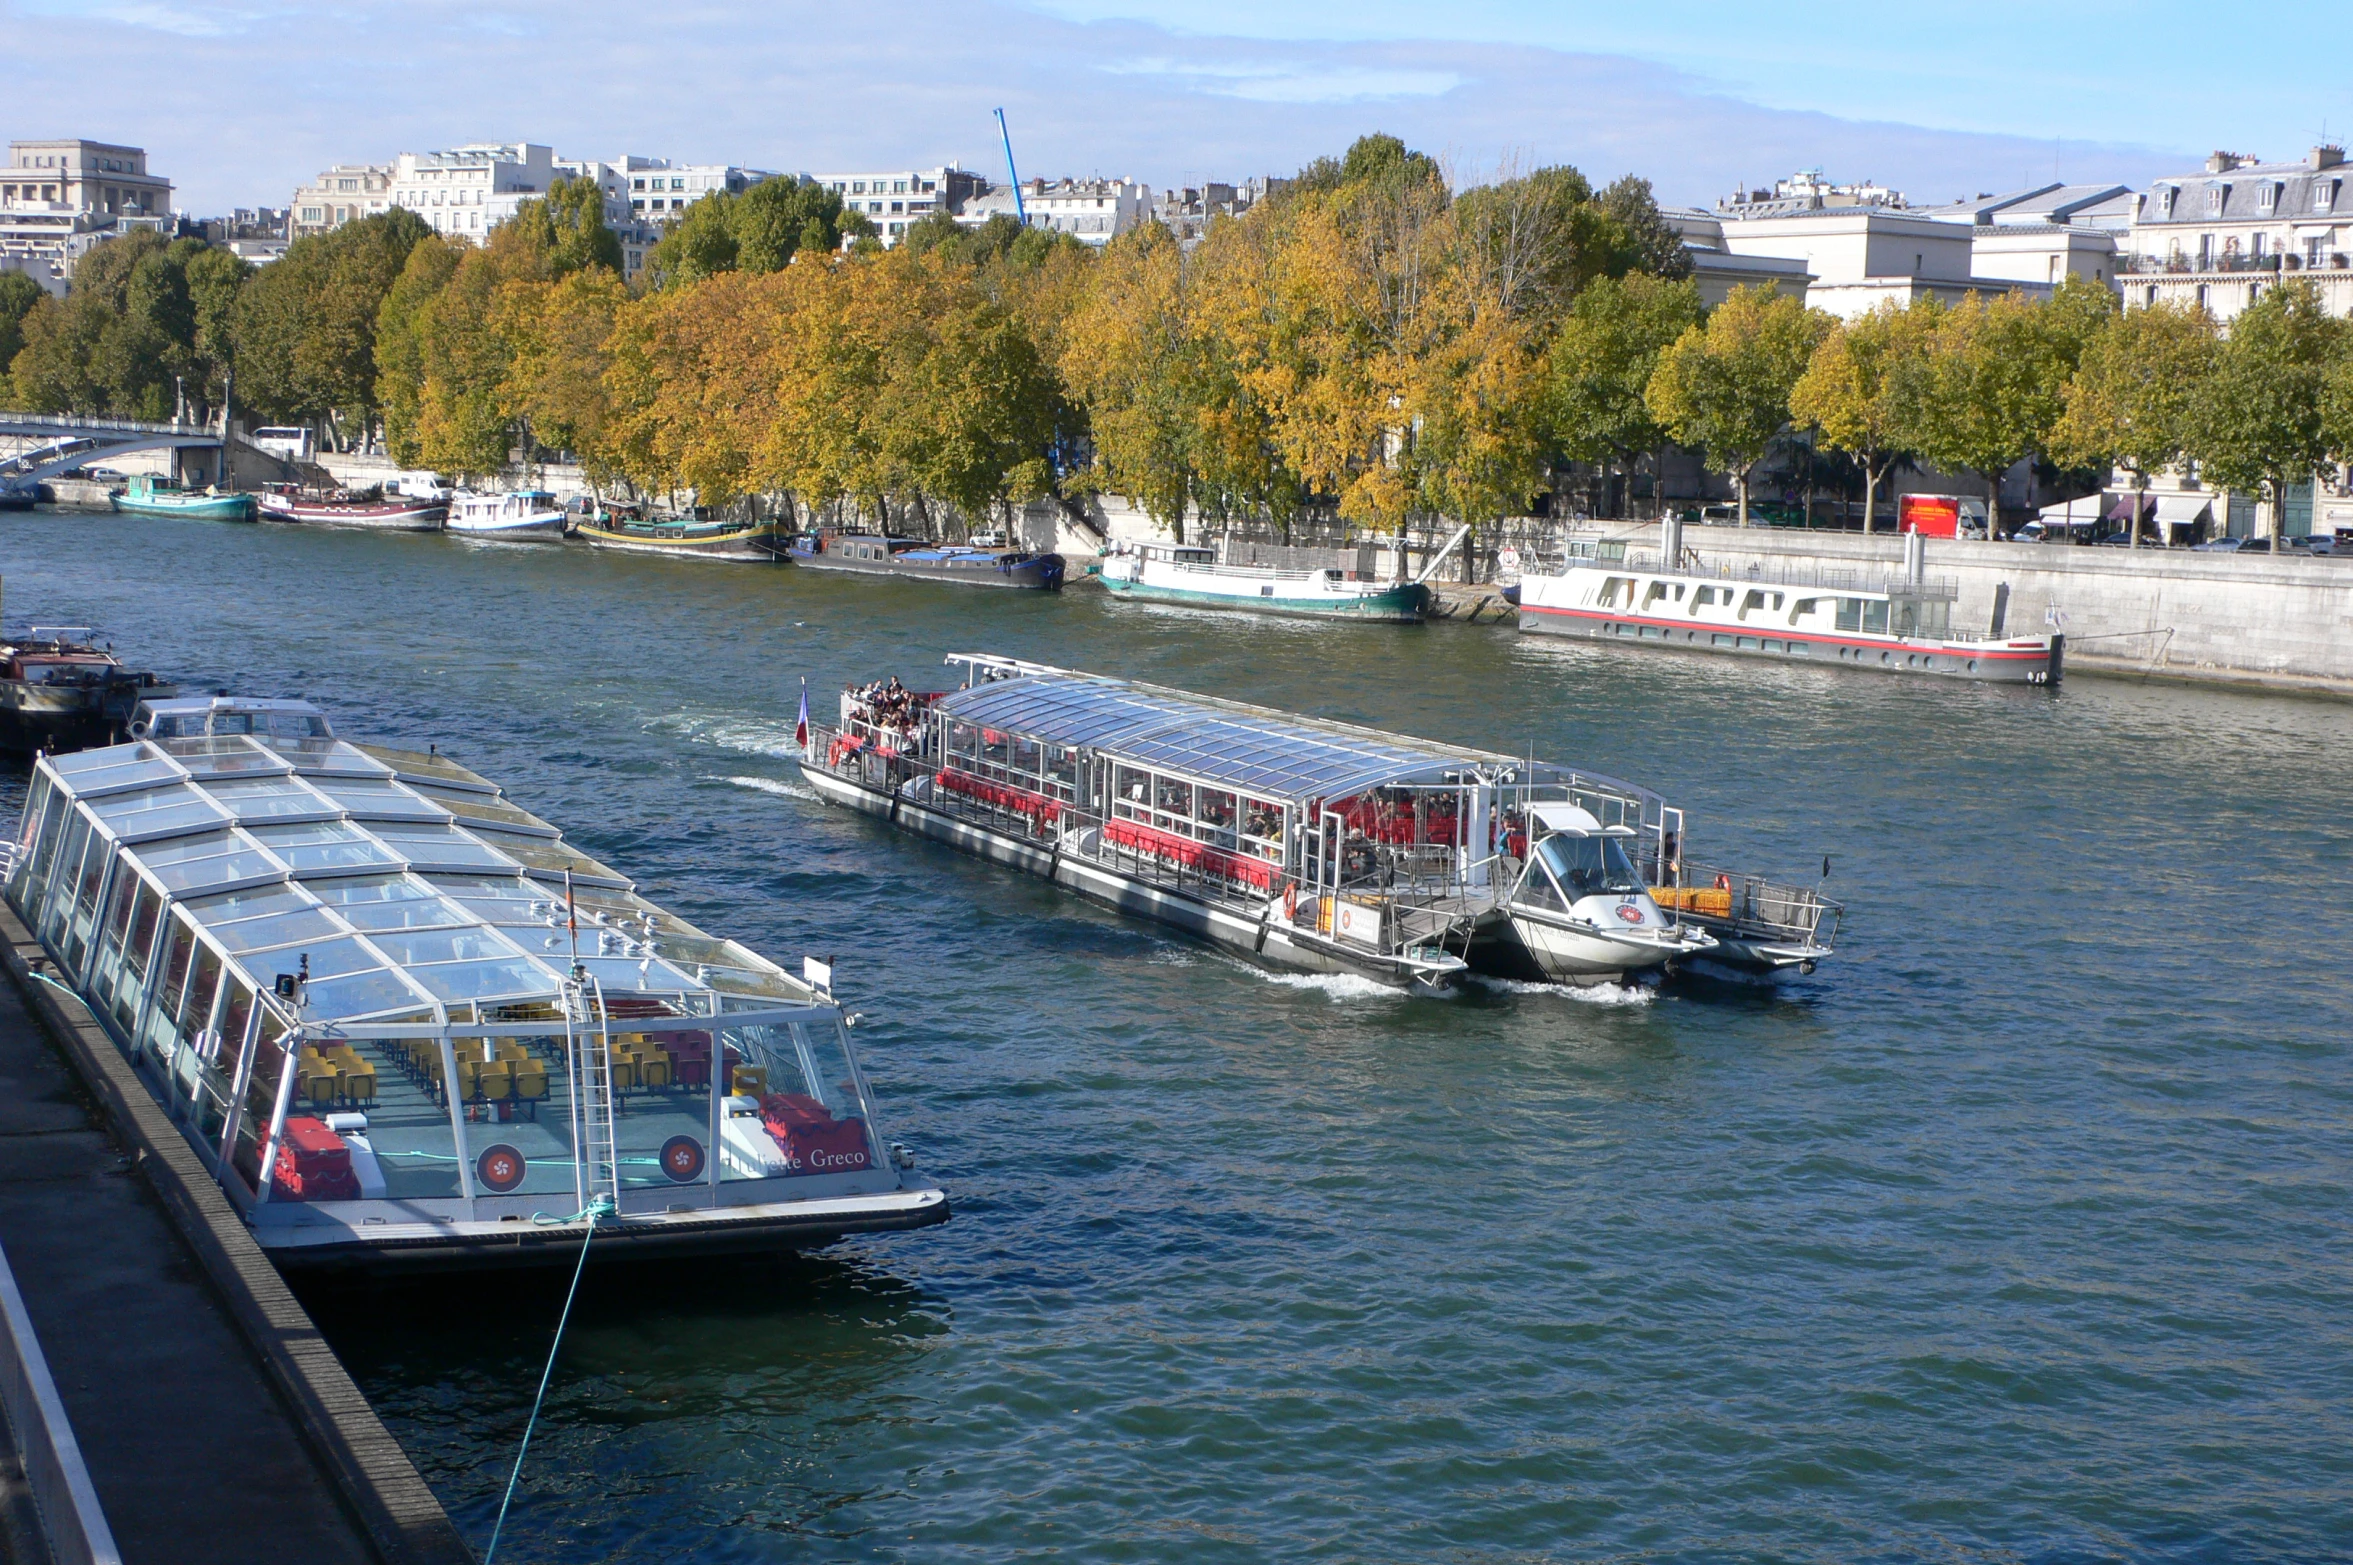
[(1267, 82)]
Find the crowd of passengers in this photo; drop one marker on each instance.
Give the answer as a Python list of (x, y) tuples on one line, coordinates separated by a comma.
[(894, 712)]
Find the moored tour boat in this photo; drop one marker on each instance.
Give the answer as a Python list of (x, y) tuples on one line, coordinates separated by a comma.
[(1191, 575), (370, 510), (1301, 844), (404, 1024), (148, 496), (970, 565), (1902, 625), (606, 527), (521, 516)]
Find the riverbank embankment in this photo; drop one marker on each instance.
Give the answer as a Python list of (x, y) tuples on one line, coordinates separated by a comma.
[(216, 1423)]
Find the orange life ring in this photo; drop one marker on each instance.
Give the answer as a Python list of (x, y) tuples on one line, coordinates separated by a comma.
[(1723, 882), (1290, 902)]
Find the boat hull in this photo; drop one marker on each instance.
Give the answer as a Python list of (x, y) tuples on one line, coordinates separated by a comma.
[(63, 717), (356, 518), (1520, 944), (1266, 939), (1038, 573), (1404, 603), (537, 529), (2022, 661), (752, 545), (203, 508)]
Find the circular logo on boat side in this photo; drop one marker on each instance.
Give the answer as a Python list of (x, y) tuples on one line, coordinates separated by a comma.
[(682, 1159), (500, 1169), (1629, 912)]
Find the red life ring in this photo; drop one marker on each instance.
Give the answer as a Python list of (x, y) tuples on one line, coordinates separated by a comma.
[(1290, 902), (1723, 882)]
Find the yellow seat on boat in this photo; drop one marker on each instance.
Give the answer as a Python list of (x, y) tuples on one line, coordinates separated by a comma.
[(530, 1082), (750, 1081)]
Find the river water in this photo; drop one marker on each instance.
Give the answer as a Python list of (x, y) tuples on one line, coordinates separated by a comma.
[(2019, 1231)]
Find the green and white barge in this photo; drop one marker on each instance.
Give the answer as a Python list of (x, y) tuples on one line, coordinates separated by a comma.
[(1193, 577)]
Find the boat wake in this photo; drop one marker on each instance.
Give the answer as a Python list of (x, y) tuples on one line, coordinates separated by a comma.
[(773, 785), (1591, 994), (772, 737)]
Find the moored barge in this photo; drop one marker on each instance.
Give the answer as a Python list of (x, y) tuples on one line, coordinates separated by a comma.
[(367, 510), (1192, 576), (1301, 844), (962, 565), (405, 1024), (61, 691)]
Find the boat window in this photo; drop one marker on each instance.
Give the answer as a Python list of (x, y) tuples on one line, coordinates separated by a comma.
[(1132, 788), (123, 772), (1701, 597), (357, 994), (253, 902), (254, 934), (378, 800), (1589, 866), (140, 949), (1537, 890), (202, 874), (1805, 606), (1875, 615), (175, 968), (265, 798), (52, 828), (795, 1105), (1173, 800), (235, 1018), (1214, 807), (454, 983), (1850, 614), (325, 845), (396, 888), (1658, 590), (202, 986), (442, 848), (162, 815), (445, 945), (1755, 600), (419, 913)]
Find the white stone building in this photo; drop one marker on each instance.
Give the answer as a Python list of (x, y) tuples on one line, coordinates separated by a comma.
[(342, 194), (659, 190), (1092, 211), (2223, 235), (58, 198), (1188, 211), (893, 199)]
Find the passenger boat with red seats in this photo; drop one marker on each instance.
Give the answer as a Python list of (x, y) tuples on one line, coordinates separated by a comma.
[(1303, 844), (405, 1024)]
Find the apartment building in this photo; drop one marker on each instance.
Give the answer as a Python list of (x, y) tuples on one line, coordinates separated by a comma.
[(58, 198), (892, 200), (659, 189), (1092, 211), (2240, 225), (1188, 210), (342, 194)]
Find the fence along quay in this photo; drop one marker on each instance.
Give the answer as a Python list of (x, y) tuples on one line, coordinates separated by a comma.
[(439, 1029), (1307, 845)]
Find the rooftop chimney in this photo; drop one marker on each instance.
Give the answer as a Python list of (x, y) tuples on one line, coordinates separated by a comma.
[(2224, 162), (2327, 157)]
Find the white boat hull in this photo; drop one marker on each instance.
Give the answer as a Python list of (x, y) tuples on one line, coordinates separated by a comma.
[(547, 527), (1570, 950)]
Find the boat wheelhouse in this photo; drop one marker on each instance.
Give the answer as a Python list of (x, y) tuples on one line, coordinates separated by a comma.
[(404, 1023), (1191, 575), (1832, 617), (1303, 844), (520, 515)]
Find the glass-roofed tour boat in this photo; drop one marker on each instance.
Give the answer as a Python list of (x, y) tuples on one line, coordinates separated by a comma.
[(406, 1025), (1304, 844)]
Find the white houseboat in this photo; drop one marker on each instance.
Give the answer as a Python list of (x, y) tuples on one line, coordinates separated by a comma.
[(521, 516), (1193, 576), (1303, 844), (1831, 617), (405, 1024)]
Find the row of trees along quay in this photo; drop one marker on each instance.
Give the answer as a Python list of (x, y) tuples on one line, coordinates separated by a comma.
[(1369, 344)]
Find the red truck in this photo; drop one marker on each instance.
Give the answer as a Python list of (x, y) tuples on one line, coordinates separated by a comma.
[(1940, 515)]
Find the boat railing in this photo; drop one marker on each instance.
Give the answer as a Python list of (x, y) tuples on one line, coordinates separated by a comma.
[(1792, 573), (1753, 905)]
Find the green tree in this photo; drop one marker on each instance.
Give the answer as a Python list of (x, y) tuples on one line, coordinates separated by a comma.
[(1725, 386), (304, 327), (757, 231), (1854, 387), (125, 340), (1637, 238), (1601, 363), (2135, 394), (400, 341), (1992, 387), (18, 295), (565, 230), (2261, 419)]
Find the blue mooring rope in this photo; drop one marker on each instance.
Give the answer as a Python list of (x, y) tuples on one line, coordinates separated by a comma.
[(601, 1207)]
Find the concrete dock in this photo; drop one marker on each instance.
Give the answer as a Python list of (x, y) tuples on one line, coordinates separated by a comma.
[(215, 1422)]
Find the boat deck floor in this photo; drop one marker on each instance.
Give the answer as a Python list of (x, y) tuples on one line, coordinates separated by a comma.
[(193, 1456)]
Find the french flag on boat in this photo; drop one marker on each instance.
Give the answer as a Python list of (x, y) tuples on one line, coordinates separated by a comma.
[(801, 724)]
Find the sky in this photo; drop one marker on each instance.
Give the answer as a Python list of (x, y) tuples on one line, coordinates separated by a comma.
[(238, 101)]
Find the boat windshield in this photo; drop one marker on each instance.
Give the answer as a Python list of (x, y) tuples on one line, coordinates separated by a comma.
[(1589, 866)]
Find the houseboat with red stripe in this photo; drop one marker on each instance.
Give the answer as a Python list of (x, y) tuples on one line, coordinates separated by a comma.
[(1305, 845), (1833, 617)]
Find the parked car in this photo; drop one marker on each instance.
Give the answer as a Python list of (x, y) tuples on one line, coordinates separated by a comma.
[(2318, 543), (95, 475), (2235, 546)]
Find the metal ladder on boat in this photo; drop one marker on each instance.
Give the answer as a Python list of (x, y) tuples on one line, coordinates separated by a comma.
[(588, 1053)]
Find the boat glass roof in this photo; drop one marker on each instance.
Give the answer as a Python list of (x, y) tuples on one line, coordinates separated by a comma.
[(320, 851), (1269, 755)]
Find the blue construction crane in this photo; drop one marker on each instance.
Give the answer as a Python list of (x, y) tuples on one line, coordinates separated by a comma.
[(1019, 210)]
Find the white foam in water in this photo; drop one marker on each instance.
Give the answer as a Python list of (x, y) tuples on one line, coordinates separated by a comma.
[(1337, 986), (1592, 994), (772, 785), (746, 735)]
